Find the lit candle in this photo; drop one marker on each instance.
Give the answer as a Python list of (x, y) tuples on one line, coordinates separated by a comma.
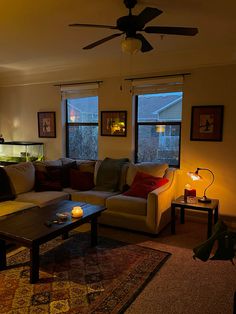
[(77, 212)]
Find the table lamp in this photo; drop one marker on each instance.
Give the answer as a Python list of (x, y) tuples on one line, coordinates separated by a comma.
[(195, 176)]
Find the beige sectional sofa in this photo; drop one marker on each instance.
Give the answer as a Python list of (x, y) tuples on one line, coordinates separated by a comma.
[(149, 214)]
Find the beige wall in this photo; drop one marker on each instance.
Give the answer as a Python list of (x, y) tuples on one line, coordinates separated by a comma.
[(205, 86), (211, 86), (18, 115), (111, 97)]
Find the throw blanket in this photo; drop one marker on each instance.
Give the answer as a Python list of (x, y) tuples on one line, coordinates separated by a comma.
[(109, 173), (5, 186)]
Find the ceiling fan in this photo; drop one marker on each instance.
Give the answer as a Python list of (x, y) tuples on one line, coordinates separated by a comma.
[(131, 25)]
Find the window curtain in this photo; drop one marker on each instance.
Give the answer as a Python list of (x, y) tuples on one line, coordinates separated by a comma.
[(79, 90), (157, 85)]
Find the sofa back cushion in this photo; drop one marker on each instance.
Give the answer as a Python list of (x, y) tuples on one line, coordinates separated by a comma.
[(49, 178), (81, 180), (109, 173), (52, 163), (22, 176), (82, 165), (53, 170), (86, 165), (5, 184), (123, 173), (152, 168)]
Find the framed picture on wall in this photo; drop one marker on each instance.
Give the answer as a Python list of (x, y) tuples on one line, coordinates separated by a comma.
[(207, 123), (113, 123), (47, 124)]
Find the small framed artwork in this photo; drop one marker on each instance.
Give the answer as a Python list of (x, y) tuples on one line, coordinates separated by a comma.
[(207, 123), (113, 123), (47, 124)]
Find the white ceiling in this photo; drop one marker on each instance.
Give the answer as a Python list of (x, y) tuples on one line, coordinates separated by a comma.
[(37, 44)]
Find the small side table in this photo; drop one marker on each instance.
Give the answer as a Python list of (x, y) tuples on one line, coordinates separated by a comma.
[(209, 207)]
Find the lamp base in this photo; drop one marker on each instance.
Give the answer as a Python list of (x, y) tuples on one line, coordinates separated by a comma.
[(204, 199)]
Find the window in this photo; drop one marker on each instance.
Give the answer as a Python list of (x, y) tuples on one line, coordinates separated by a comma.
[(81, 104), (82, 127), (158, 126)]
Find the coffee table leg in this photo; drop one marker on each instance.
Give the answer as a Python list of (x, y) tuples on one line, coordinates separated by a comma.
[(94, 231), (3, 259), (34, 264)]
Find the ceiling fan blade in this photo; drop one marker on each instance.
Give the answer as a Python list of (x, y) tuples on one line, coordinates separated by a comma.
[(148, 14), (92, 25), (185, 31), (146, 46), (101, 41)]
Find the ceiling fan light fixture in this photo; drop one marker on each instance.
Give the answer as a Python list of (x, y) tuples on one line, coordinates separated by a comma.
[(131, 45)]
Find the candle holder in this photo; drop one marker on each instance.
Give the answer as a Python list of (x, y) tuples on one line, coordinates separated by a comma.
[(77, 212)]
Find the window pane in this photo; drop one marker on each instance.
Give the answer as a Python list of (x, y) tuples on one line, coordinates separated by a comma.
[(83, 109), (159, 144), (83, 142), (160, 107)]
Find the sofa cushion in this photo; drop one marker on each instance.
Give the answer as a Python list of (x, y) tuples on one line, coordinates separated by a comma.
[(80, 180), (86, 166), (108, 174), (22, 176), (127, 204), (56, 162), (11, 207), (155, 169), (48, 179), (5, 184), (44, 198), (66, 173), (82, 165), (54, 178), (65, 160), (143, 184), (91, 196), (97, 165)]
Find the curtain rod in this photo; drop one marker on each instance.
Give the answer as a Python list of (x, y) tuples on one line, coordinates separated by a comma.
[(77, 83), (156, 76)]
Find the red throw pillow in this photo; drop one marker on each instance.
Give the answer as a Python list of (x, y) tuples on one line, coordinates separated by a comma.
[(143, 184), (80, 180)]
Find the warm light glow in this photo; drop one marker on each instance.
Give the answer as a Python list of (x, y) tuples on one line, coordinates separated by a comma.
[(77, 212), (117, 127), (160, 128), (16, 122), (131, 45), (194, 176), (72, 115)]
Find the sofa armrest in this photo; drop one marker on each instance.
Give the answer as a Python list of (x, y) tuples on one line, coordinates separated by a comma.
[(159, 202)]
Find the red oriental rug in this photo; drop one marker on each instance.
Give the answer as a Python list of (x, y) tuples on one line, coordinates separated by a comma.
[(75, 278)]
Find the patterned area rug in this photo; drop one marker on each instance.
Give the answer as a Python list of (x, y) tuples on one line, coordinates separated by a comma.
[(75, 278)]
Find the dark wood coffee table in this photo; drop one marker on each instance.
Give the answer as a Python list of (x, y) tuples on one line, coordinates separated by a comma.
[(30, 229)]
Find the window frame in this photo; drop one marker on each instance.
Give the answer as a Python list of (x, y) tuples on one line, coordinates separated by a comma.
[(155, 123), (68, 124)]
